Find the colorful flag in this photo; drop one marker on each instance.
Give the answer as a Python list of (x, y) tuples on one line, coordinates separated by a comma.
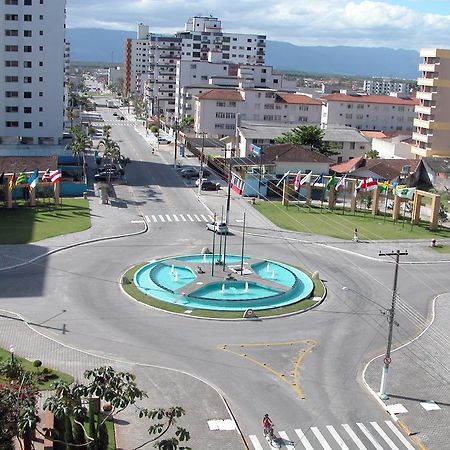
[(319, 179), (371, 184), (407, 193), (46, 175), (55, 176), (306, 179), (297, 180), (331, 183), (340, 183), (383, 187), (12, 181), (282, 178), (33, 179), (21, 178), (255, 149)]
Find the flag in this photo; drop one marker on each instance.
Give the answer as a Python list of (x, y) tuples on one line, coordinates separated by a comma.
[(297, 180), (331, 183), (55, 176), (282, 178), (340, 183), (33, 179), (383, 187), (21, 178), (255, 149), (306, 179), (371, 184), (407, 193), (12, 181), (46, 176), (2, 178), (319, 179)]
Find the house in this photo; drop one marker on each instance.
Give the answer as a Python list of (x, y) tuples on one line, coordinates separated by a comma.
[(396, 145), (436, 171)]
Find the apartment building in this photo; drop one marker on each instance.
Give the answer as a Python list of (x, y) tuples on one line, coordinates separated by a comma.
[(369, 112), (386, 86), (216, 110), (33, 57), (432, 123)]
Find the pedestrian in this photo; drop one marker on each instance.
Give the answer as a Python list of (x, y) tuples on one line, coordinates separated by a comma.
[(355, 235)]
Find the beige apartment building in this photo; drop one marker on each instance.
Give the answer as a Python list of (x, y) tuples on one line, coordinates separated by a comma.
[(432, 123)]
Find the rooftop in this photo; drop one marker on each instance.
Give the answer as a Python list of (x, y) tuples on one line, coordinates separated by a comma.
[(221, 94), (375, 99), (297, 99), (293, 153), (16, 164)]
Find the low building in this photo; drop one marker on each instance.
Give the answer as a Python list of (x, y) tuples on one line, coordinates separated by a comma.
[(436, 172)]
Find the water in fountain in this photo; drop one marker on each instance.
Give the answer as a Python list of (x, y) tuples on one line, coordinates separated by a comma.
[(267, 267), (246, 287), (172, 269), (273, 274), (223, 288), (175, 275)]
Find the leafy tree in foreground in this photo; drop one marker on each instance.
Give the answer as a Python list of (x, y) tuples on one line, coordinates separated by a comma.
[(307, 135)]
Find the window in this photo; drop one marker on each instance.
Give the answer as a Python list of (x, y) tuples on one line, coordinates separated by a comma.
[(27, 124), (27, 110), (348, 116), (27, 48), (41, 48), (220, 104), (27, 2), (12, 124), (11, 94), (11, 109), (41, 33), (269, 106), (27, 33), (10, 2), (27, 79), (11, 79), (27, 64), (41, 63), (352, 146), (11, 32), (12, 63), (232, 104), (303, 119), (11, 48), (14, 17), (27, 94), (41, 17), (41, 109), (41, 124), (41, 78), (27, 18)]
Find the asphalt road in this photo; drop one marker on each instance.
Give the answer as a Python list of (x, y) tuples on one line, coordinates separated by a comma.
[(334, 340)]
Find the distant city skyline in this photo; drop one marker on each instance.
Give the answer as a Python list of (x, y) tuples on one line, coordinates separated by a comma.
[(410, 24)]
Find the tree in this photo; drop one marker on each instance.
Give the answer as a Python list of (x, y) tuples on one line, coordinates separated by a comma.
[(372, 154), (307, 135), (80, 141), (186, 122)]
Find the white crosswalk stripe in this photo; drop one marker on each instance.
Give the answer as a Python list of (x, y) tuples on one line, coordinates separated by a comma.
[(303, 439), (198, 218), (383, 436), (147, 219), (176, 217), (154, 218), (337, 438), (183, 218), (204, 218), (190, 218), (169, 218), (161, 218), (211, 218)]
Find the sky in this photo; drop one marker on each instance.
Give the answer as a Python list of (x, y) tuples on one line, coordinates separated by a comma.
[(410, 24)]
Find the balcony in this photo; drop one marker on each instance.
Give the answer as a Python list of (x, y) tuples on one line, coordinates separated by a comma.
[(426, 95), (426, 81), (423, 109), (428, 67), (419, 123), (425, 138)]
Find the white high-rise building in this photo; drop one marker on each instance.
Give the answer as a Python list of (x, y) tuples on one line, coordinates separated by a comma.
[(386, 86), (32, 65)]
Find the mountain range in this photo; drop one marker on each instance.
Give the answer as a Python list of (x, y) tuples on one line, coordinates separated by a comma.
[(100, 45)]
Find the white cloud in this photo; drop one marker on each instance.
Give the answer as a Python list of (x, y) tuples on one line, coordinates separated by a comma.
[(320, 22)]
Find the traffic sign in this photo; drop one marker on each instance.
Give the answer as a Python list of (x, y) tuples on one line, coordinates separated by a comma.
[(387, 360)]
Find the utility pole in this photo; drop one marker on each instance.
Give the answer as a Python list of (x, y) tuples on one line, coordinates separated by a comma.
[(227, 213), (200, 174), (387, 358), (176, 144)]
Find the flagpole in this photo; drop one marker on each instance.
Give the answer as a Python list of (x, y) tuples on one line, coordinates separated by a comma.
[(386, 204), (343, 203)]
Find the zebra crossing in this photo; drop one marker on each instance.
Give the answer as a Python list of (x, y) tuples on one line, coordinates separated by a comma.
[(178, 218), (384, 436), (113, 122)]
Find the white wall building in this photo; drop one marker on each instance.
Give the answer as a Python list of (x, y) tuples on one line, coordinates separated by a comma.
[(369, 112), (32, 63), (386, 86), (216, 110)]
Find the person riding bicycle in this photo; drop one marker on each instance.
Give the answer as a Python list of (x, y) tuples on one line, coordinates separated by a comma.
[(267, 424)]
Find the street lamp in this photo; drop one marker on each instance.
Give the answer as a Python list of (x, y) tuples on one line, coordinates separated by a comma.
[(12, 350)]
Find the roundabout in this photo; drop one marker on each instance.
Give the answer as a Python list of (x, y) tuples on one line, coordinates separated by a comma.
[(198, 284)]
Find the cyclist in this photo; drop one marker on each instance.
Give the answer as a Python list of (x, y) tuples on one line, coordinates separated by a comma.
[(267, 425)]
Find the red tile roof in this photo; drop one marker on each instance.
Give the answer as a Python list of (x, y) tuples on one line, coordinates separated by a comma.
[(378, 99), (378, 134), (348, 166), (222, 94), (293, 153), (298, 99), (16, 164)]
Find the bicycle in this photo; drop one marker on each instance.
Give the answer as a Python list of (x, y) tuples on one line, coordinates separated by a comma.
[(271, 438)]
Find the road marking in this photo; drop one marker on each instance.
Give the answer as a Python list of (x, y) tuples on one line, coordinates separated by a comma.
[(399, 435), (287, 442), (198, 218), (355, 438), (168, 218), (211, 218), (304, 441), (320, 438), (154, 218), (176, 217), (147, 219), (190, 218), (337, 438), (255, 442), (161, 218), (138, 221), (183, 218), (204, 218), (384, 436), (369, 436)]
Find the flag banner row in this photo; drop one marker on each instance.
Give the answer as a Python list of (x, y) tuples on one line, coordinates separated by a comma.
[(32, 180)]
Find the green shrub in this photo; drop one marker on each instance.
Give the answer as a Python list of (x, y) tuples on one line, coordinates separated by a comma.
[(37, 363)]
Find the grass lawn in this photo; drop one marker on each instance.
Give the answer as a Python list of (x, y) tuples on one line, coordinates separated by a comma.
[(22, 224), (338, 225), (442, 248), (28, 366), (134, 292)]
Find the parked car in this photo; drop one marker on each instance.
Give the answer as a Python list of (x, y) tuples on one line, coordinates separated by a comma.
[(190, 172), (209, 186), (121, 118), (163, 140), (198, 181), (217, 227), (106, 167), (109, 174), (115, 114)]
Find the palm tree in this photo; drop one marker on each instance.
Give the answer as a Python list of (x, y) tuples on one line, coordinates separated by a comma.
[(111, 150), (106, 131), (80, 142)]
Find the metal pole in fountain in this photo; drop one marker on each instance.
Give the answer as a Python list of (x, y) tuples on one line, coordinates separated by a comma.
[(220, 241), (246, 287), (213, 258), (273, 274), (268, 267), (227, 216), (175, 275), (172, 269), (242, 251), (222, 288)]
